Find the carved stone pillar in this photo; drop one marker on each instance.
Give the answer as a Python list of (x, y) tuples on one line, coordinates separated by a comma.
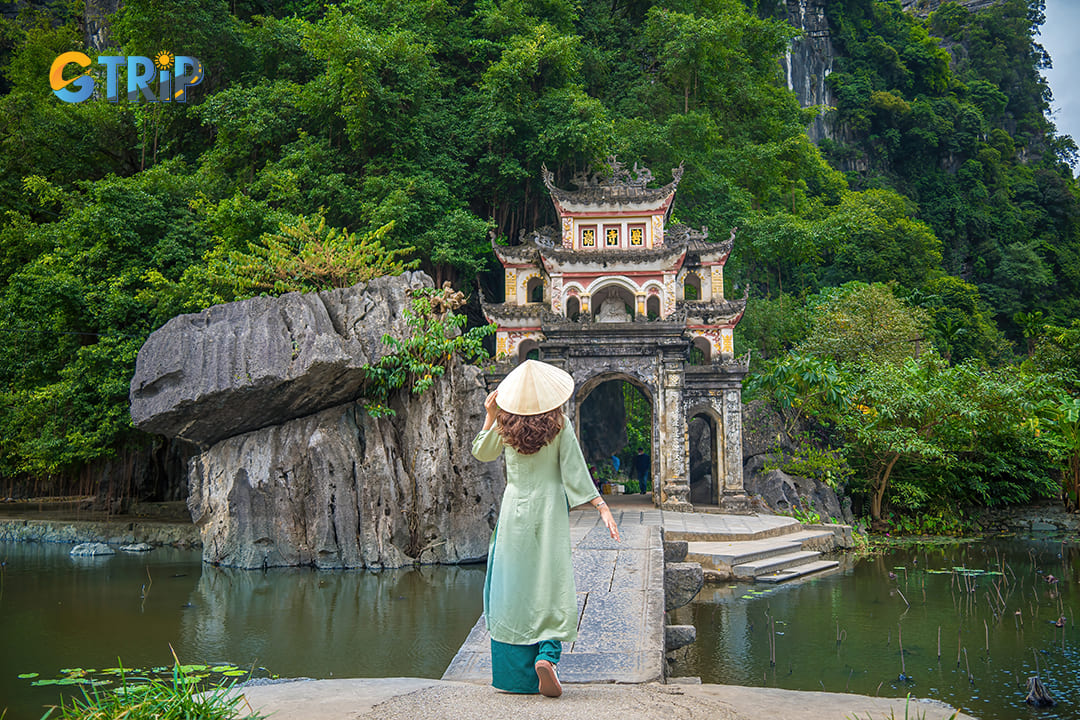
[(673, 468), (733, 499)]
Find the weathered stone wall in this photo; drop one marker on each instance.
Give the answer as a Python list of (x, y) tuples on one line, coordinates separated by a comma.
[(1044, 516), (114, 532)]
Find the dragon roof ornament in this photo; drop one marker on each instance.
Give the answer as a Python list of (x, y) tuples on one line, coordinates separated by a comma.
[(618, 185)]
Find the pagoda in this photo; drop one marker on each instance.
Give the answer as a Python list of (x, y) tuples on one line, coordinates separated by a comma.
[(614, 292)]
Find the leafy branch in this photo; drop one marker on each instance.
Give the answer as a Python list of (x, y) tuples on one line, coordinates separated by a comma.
[(427, 351)]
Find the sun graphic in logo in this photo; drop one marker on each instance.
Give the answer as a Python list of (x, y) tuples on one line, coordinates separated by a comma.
[(163, 60)]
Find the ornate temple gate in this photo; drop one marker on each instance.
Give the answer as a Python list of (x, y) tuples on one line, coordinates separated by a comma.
[(626, 298)]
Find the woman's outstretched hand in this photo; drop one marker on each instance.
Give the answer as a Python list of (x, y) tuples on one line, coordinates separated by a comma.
[(609, 520)]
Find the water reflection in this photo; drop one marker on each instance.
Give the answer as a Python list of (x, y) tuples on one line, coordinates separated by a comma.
[(321, 624), (58, 612), (987, 650)]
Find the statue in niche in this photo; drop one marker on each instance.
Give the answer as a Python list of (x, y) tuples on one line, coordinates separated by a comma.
[(613, 310)]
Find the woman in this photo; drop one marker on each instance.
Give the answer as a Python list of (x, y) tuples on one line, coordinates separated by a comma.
[(530, 603)]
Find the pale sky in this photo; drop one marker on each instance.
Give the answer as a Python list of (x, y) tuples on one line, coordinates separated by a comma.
[(1059, 37)]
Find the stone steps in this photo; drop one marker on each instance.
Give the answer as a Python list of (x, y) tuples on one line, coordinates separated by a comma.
[(773, 564), (798, 571), (774, 558), (754, 528)]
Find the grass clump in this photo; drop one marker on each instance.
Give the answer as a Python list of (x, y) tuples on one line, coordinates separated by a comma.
[(179, 698)]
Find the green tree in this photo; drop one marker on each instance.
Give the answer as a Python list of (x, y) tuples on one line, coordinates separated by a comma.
[(864, 322), (873, 236)]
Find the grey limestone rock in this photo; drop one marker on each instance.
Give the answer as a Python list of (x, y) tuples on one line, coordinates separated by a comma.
[(245, 365), (137, 547), (678, 636), (682, 582), (763, 430), (809, 61), (340, 489), (675, 551), (784, 493), (91, 549)]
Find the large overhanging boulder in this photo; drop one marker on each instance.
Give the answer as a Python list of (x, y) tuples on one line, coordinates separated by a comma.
[(241, 366)]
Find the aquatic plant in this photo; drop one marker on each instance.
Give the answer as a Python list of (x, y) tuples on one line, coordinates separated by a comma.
[(179, 698)]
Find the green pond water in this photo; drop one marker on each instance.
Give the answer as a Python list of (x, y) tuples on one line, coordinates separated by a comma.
[(996, 601), (59, 614)]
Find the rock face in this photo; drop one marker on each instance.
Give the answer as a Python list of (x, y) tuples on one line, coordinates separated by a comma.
[(340, 489), (809, 61), (245, 365), (925, 7), (785, 493), (292, 471), (766, 442)]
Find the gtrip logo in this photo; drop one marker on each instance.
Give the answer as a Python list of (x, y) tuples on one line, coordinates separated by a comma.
[(166, 78)]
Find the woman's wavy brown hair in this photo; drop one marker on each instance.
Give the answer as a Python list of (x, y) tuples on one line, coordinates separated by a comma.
[(528, 433)]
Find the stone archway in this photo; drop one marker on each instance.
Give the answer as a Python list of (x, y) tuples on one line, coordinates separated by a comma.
[(632, 317), (587, 390), (613, 301)]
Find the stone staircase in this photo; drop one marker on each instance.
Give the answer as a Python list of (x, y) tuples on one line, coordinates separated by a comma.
[(775, 555)]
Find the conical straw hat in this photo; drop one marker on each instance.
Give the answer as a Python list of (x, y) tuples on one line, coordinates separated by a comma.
[(533, 388)]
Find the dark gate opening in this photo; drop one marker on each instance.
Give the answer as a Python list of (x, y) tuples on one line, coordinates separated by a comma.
[(704, 461), (616, 431)]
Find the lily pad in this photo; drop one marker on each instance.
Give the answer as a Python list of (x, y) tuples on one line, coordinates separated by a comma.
[(191, 668)]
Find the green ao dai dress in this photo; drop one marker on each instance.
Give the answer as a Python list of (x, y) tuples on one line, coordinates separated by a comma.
[(529, 592)]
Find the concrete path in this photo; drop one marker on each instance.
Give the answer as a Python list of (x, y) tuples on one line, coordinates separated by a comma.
[(621, 590), (421, 699)]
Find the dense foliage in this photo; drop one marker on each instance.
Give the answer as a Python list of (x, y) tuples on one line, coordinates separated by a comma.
[(943, 200)]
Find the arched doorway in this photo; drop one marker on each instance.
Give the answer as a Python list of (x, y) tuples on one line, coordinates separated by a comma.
[(528, 350), (652, 307), (704, 454), (613, 303), (700, 352), (534, 290), (573, 307), (692, 287), (614, 417)]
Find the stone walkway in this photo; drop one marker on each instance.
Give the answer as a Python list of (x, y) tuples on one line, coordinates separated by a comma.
[(620, 611), (620, 591)]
